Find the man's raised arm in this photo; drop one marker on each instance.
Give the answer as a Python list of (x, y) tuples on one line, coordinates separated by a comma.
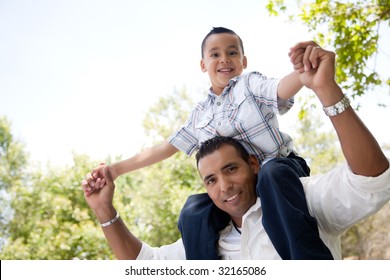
[(317, 71)]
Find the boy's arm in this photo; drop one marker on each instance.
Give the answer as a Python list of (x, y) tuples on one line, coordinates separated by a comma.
[(145, 158), (289, 86)]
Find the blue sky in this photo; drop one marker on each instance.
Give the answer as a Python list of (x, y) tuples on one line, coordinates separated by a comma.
[(79, 75)]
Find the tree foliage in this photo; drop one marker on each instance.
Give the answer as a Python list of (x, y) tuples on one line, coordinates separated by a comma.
[(51, 220), (353, 29), (164, 187), (316, 143), (12, 156)]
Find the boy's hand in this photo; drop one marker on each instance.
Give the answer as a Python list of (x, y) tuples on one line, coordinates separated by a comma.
[(303, 56)]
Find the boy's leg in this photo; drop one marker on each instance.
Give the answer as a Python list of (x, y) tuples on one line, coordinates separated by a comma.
[(286, 219), (199, 223)]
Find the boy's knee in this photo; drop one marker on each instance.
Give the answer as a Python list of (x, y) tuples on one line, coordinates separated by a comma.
[(274, 167)]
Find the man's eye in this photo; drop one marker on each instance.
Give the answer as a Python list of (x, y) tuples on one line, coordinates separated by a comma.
[(210, 182), (231, 169)]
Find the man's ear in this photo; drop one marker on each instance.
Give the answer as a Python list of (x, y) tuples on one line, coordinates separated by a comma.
[(254, 164), (203, 66)]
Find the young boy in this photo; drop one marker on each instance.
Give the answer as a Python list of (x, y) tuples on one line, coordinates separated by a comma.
[(242, 106)]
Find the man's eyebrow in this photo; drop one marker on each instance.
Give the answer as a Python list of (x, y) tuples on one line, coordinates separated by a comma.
[(206, 178), (228, 165)]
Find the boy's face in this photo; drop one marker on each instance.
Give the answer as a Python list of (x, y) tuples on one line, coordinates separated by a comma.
[(223, 59), (230, 180)]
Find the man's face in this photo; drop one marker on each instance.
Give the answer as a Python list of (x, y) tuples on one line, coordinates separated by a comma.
[(230, 181), (222, 59)]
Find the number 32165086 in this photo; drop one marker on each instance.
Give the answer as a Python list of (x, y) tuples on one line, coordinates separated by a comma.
[(244, 270)]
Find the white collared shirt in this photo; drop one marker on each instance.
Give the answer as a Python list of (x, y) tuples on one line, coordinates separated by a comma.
[(337, 200)]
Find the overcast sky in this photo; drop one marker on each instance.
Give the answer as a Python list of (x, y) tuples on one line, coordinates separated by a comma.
[(79, 75)]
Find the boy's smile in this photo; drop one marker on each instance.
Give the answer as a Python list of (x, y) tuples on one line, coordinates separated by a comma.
[(223, 59)]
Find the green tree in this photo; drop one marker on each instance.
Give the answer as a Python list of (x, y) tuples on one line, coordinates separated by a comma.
[(317, 143), (13, 161), (13, 158), (352, 28), (161, 190), (51, 219)]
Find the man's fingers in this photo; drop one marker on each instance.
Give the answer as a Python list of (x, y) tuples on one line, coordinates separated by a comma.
[(108, 176), (303, 45), (311, 57)]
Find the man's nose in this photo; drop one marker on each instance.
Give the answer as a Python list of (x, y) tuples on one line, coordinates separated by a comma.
[(225, 185)]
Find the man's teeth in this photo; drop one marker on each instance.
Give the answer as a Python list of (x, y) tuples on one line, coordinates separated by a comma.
[(233, 197)]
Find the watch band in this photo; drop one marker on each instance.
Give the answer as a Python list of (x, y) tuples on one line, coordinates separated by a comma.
[(110, 222), (337, 108)]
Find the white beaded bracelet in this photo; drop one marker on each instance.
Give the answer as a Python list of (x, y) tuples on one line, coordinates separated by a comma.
[(110, 222), (337, 108)]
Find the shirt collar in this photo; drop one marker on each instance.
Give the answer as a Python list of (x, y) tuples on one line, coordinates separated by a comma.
[(254, 208), (226, 90)]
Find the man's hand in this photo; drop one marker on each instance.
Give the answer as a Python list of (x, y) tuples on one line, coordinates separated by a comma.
[(316, 67), (97, 196)]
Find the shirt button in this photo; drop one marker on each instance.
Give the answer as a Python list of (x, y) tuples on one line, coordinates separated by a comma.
[(219, 123), (219, 103)]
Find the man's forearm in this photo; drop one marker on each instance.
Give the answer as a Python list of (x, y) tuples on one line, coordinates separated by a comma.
[(123, 243), (360, 148)]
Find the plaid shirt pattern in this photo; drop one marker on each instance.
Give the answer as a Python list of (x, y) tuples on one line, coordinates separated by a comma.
[(246, 110)]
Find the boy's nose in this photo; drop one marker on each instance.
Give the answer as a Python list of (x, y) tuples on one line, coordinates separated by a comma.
[(225, 59)]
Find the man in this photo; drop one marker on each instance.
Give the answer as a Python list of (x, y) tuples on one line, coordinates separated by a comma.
[(336, 200)]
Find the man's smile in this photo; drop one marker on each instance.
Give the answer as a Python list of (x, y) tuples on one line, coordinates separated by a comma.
[(232, 197)]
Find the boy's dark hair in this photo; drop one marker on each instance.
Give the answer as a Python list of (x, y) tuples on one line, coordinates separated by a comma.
[(213, 144), (219, 30)]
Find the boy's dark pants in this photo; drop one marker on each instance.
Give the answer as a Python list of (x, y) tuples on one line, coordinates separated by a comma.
[(286, 219)]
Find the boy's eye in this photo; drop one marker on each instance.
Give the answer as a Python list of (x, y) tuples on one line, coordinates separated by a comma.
[(233, 53), (214, 55)]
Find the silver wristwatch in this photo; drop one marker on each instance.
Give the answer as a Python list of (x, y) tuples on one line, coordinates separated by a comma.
[(337, 108)]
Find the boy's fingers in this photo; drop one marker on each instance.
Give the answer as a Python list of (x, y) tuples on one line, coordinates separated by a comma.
[(86, 188)]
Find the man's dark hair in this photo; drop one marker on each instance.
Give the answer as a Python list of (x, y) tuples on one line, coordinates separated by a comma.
[(213, 144), (219, 30)]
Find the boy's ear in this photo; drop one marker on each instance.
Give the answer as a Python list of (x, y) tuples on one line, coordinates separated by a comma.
[(244, 62), (203, 66)]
